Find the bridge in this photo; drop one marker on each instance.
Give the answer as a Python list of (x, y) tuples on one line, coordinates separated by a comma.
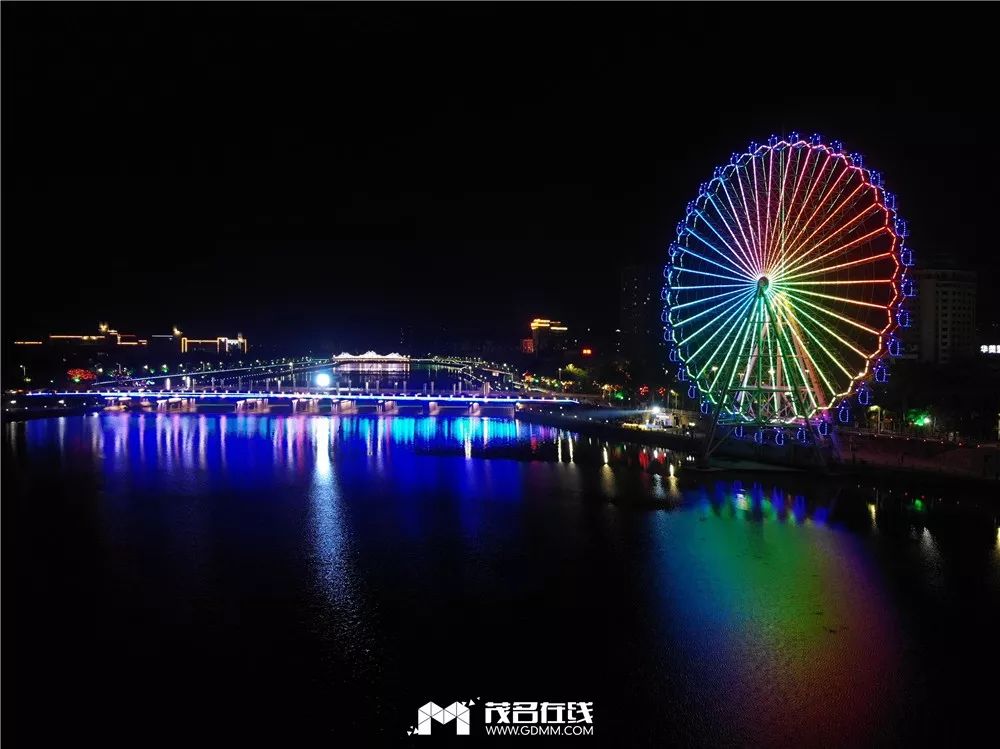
[(331, 400)]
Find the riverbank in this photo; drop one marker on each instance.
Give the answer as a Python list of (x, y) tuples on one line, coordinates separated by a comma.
[(896, 459)]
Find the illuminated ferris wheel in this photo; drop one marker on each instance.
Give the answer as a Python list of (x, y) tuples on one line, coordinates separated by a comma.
[(787, 285)]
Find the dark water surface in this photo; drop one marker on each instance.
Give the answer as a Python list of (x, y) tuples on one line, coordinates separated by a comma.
[(262, 579)]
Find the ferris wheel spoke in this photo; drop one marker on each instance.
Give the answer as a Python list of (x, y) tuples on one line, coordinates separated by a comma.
[(733, 256), (788, 279), (812, 188), (825, 311), (756, 209), (718, 329), (749, 218), (805, 351), (748, 241), (802, 169), (794, 328), (844, 299), (733, 374), (739, 254), (823, 198), (743, 281), (702, 300), (802, 247), (732, 311), (728, 304), (708, 244), (784, 161), (832, 333), (767, 205), (720, 368), (858, 282)]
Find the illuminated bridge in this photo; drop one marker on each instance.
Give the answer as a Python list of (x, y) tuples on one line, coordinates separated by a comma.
[(331, 400)]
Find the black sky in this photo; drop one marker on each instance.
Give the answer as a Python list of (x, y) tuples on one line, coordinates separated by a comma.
[(302, 171)]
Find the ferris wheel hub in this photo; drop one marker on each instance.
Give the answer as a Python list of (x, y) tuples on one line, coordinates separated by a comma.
[(762, 284)]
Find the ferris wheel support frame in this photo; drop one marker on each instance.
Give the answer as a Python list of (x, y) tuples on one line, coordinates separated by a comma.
[(761, 315)]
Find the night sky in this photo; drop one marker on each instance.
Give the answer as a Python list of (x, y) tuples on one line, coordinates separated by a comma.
[(328, 173)]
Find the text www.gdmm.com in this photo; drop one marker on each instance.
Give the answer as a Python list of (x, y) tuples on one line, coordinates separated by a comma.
[(539, 730)]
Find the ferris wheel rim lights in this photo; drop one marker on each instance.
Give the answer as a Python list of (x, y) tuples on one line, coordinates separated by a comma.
[(754, 264)]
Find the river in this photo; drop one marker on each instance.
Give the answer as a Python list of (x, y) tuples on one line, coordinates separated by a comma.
[(205, 578)]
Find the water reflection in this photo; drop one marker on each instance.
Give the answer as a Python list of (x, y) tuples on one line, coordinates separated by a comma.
[(746, 608)]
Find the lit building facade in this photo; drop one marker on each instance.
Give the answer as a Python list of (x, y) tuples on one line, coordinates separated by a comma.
[(548, 336), (219, 345), (943, 320), (105, 337)]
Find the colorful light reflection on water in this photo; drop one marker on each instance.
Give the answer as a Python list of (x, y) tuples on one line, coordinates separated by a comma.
[(343, 555)]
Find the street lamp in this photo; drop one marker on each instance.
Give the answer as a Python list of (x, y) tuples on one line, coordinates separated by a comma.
[(878, 418)]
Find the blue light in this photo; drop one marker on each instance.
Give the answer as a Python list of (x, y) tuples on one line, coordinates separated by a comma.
[(323, 380), (881, 372), (844, 412)]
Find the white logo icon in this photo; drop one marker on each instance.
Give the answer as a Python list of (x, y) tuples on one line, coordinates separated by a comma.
[(456, 711)]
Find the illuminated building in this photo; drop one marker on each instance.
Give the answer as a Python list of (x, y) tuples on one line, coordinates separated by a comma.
[(219, 345), (548, 335), (371, 356), (943, 322), (527, 345), (106, 337)]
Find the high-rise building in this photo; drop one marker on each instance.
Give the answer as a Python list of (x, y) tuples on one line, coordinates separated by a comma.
[(943, 317), (640, 308)]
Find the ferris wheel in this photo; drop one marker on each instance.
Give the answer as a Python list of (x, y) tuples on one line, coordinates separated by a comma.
[(787, 285)]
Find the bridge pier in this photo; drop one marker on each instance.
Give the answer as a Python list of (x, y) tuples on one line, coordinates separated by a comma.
[(305, 405), (346, 407), (255, 405), (174, 405), (433, 408)]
